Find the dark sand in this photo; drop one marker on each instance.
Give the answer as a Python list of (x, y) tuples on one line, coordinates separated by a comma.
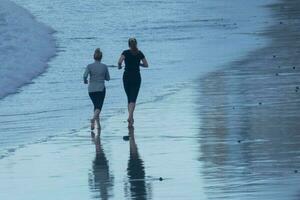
[(249, 133)]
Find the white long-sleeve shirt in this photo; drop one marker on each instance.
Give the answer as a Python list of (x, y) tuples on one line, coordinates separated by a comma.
[(98, 73)]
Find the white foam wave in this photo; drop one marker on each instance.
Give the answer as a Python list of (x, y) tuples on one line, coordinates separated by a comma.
[(25, 48)]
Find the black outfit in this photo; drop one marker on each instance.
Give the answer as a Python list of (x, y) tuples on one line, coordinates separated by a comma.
[(97, 99), (132, 76)]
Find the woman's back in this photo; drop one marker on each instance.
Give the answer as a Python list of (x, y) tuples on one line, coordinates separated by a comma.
[(98, 73), (132, 60)]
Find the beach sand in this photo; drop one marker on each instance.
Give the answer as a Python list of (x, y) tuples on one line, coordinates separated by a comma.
[(232, 134), (154, 164), (249, 133)]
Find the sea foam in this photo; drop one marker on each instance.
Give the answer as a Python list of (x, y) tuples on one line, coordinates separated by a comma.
[(25, 48)]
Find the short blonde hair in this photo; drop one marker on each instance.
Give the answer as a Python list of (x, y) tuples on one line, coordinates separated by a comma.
[(98, 54)]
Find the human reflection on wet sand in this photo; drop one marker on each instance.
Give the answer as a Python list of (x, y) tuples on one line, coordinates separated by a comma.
[(100, 179), (137, 187)]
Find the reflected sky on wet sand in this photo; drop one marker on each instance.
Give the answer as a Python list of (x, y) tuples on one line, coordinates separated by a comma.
[(249, 133)]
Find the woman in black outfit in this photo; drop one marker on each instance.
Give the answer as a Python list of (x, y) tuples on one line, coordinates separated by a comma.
[(133, 58)]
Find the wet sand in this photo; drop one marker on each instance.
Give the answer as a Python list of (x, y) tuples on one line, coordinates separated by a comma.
[(159, 161), (249, 134), (231, 135)]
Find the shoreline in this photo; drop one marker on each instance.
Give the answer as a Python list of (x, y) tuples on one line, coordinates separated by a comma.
[(250, 119), (169, 141), (60, 92), (26, 38)]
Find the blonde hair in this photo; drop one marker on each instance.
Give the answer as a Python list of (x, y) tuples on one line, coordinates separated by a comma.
[(98, 54), (132, 43)]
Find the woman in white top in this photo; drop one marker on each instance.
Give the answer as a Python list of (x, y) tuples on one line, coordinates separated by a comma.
[(97, 73)]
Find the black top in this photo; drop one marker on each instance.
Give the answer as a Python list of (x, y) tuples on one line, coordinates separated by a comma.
[(132, 60)]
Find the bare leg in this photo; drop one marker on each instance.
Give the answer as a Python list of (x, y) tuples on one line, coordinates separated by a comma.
[(95, 118), (128, 119), (131, 107), (98, 123)]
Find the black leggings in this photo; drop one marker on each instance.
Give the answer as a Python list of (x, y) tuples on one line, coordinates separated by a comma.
[(132, 83), (97, 99)]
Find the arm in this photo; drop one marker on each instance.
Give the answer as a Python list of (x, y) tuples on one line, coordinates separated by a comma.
[(107, 76), (144, 63), (121, 59), (85, 75)]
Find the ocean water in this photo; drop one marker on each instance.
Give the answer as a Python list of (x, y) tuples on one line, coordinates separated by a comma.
[(26, 46)]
